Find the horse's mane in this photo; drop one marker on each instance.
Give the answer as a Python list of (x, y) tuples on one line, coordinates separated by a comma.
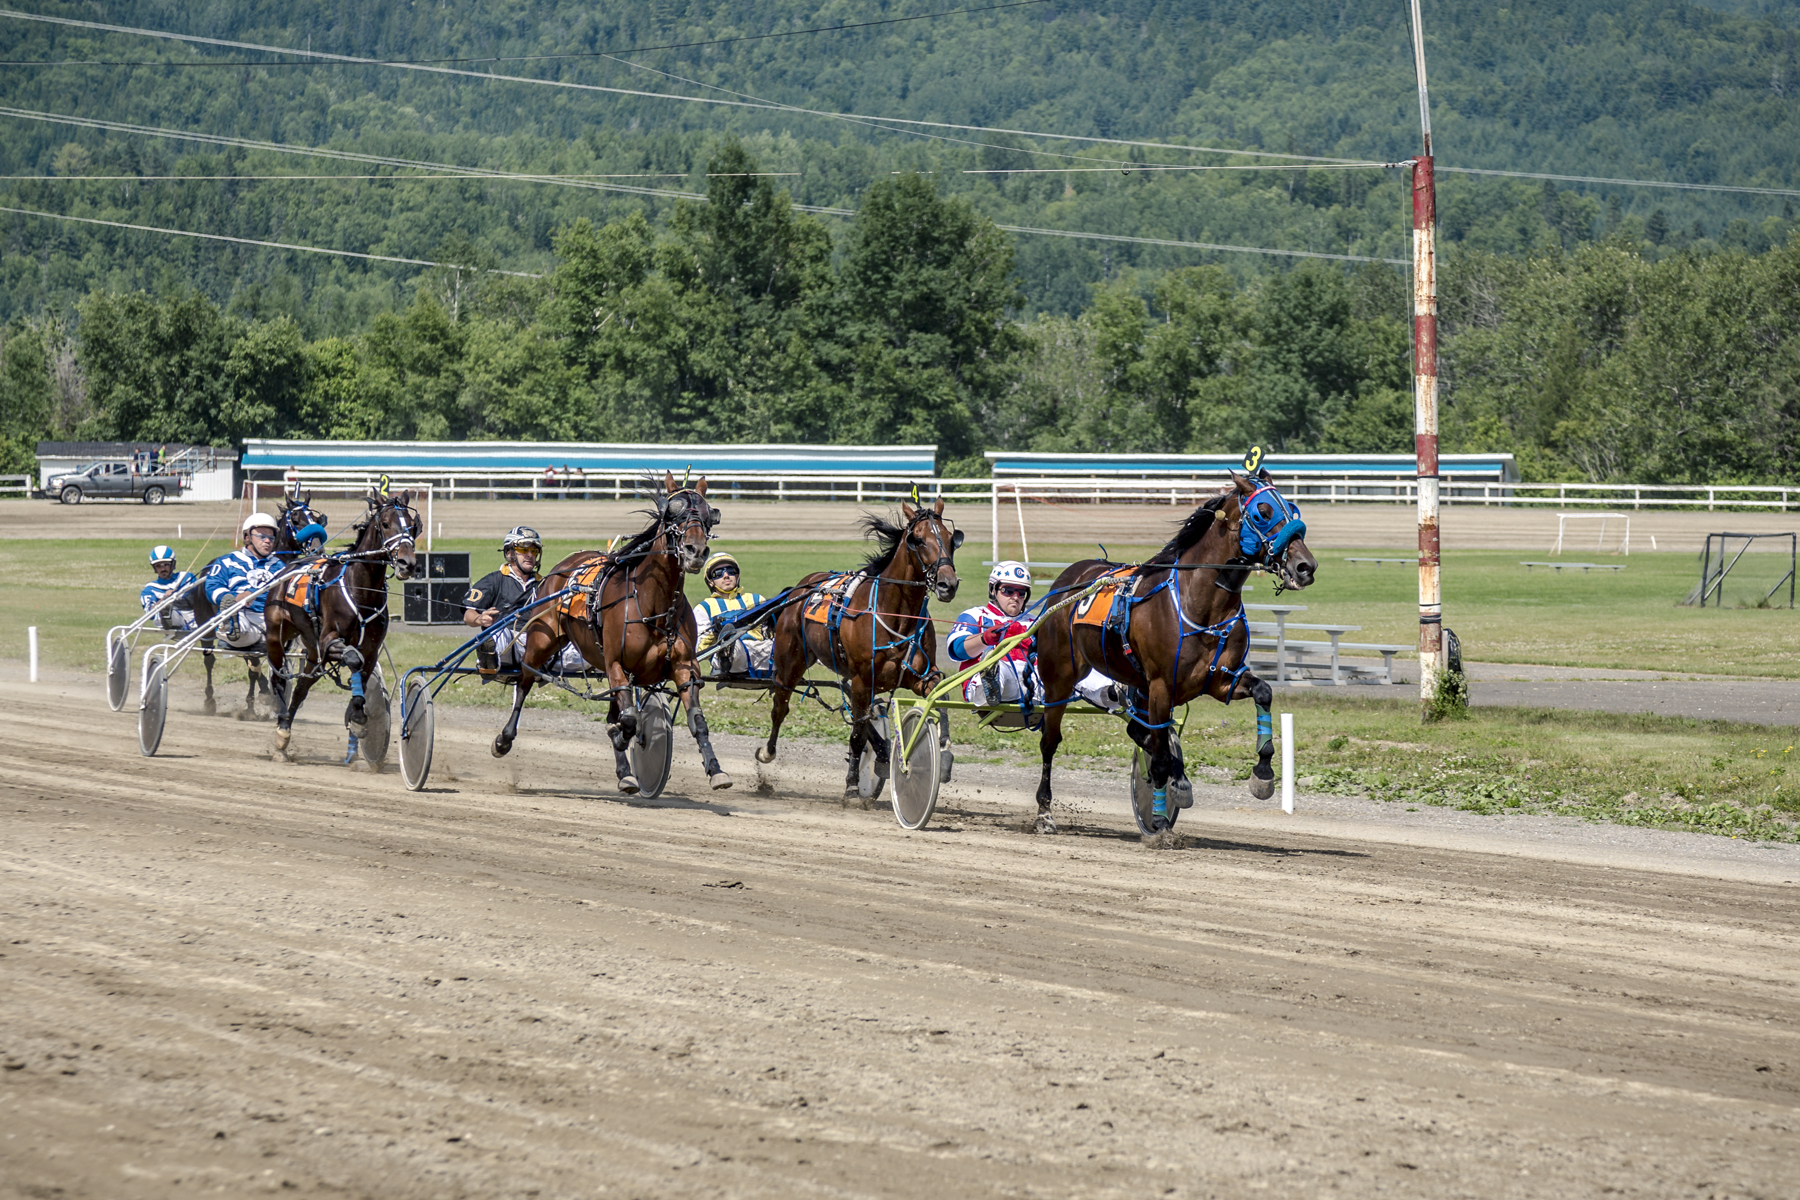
[(1190, 533), (640, 543), (887, 537)]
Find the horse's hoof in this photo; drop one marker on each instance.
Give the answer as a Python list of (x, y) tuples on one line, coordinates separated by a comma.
[(210, 708), (246, 714), (1262, 789), (764, 754), (282, 738), (629, 785), (1045, 824), (720, 782), (1181, 793), (501, 749)]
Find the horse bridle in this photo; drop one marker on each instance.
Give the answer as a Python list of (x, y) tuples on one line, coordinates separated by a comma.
[(947, 545), (1274, 535), (677, 519)]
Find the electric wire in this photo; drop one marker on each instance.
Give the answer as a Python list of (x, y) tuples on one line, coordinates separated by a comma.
[(571, 181), (387, 178), (220, 237), (422, 65), (322, 56), (397, 62), (1683, 187)]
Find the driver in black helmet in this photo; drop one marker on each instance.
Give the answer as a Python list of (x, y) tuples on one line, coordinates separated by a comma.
[(500, 593)]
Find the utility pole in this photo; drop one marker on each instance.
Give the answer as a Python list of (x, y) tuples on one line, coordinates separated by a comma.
[(1425, 400)]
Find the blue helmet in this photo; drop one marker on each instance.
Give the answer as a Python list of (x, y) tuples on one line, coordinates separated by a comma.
[(162, 554)]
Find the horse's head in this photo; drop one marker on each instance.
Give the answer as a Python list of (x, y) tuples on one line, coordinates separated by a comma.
[(933, 541), (301, 528), (1270, 532), (392, 527), (687, 521)]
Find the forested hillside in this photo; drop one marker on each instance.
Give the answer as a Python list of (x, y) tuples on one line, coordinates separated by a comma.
[(1111, 344)]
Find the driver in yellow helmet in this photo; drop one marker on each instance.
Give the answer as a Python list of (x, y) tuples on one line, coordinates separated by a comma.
[(754, 652)]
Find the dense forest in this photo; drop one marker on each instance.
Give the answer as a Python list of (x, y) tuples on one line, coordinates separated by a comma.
[(1600, 331)]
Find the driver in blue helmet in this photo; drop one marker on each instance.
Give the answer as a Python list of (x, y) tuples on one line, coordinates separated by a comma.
[(178, 617)]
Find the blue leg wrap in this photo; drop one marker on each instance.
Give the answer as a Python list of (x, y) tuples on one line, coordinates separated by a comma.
[(1159, 803), (1265, 731), (356, 684), (350, 756)]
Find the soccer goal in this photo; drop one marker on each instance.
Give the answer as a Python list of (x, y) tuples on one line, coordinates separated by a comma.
[(1620, 521)]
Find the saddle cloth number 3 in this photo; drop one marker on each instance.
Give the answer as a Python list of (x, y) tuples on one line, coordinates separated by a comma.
[(1098, 607)]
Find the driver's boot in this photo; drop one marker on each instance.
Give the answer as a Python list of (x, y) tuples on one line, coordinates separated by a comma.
[(487, 661)]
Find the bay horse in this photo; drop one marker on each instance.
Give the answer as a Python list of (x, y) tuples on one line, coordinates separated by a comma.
[(338, 609), (297, 523), (630, 618), (872, 626), (1181, 634)]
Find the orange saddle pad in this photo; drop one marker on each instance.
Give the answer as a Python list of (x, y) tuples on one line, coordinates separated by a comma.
[(1097, 607), (832, 591), (302, 589), (577, 604)]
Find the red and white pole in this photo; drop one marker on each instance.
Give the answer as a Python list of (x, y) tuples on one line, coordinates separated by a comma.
[(1425, 397)]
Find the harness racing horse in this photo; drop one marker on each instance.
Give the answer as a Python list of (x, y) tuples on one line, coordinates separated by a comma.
[(296, 521), (1173, 630), (872, 627), (338, 608), (631, 620)]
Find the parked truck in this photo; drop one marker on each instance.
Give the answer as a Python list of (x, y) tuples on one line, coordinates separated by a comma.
[(115, 479)]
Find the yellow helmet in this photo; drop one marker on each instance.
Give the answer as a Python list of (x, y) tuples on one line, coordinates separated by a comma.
[(716, 560)]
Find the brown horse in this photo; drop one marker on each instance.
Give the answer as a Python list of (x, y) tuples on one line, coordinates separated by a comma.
[(872, 627), (631, 620), (293, 517), (1182, 634), (338, 609)]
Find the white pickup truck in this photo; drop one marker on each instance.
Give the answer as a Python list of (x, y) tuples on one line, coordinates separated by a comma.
[(113, 479)]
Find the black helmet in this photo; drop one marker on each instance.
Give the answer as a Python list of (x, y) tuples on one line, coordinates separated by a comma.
[(521, 535)]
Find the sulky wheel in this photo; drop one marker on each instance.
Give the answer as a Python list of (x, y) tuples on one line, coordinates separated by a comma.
[(373, 745), (153, 712), (418, 726), (118, 672), (872, 768), (913, 777), (652, 751)]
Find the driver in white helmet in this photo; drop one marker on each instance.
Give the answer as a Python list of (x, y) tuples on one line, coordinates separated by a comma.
[(178, 617), (243, 571), (979, 630)]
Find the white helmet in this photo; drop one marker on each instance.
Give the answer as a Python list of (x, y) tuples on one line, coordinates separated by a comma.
[(162, 554), (258, 521), (1017, 574)]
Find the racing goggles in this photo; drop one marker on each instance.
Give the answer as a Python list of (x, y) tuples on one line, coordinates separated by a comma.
[(721, 571), (1009, 589), (1271, 521)]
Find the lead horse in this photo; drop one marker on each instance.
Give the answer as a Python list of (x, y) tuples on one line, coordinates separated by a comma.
[(627, 613), (1181, 633), (872, 627), (338, 609)]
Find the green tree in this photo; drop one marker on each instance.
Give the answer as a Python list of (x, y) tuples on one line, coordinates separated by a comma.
[(926, 293), (27, 397)]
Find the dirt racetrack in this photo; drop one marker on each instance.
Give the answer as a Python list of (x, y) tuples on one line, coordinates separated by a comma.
[(226, 976)]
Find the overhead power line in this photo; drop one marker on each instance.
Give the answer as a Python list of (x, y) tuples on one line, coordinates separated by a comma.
[(1649, 183), (571, 181), (460, 174), (321, 56), (219, 237), (589, 54), (1144, 241)]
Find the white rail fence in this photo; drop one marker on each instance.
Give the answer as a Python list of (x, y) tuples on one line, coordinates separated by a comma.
[(22, 484), (1175, 491)]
